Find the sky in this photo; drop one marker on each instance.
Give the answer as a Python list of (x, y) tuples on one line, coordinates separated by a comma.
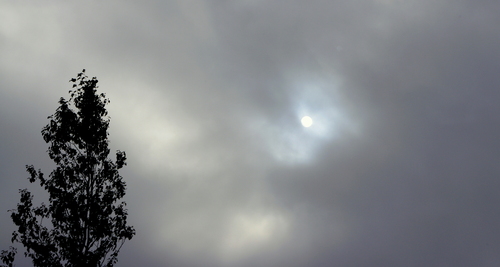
[(399, 168)]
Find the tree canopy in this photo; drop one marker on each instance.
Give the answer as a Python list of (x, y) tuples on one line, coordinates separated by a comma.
[(84, 223)]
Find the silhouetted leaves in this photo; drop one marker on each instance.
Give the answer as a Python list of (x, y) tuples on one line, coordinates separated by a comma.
[(7, 257), (84, 223)]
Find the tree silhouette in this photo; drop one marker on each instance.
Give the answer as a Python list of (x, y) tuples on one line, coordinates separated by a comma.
[(84, 224)]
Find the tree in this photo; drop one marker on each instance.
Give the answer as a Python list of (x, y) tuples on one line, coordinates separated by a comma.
[(85, 224)]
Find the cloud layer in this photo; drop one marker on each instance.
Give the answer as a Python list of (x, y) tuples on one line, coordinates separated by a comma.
[(400, 167)]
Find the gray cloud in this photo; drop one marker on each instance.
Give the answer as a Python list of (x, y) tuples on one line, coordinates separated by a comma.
[(399, 169)]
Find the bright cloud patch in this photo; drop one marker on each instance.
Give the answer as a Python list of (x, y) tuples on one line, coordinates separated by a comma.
[(248, 233)]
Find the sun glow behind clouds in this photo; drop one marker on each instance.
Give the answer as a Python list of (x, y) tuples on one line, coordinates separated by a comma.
[(312, 98), (306, 121)]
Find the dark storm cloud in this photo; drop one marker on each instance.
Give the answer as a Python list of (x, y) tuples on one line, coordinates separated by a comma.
[(400, 168)]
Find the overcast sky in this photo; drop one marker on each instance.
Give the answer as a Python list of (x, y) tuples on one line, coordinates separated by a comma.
[(400, 167)]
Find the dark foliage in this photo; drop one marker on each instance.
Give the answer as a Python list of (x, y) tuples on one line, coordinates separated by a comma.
[(84, 223)]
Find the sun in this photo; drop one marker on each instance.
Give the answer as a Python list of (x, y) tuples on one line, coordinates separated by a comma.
[(306, 121)]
